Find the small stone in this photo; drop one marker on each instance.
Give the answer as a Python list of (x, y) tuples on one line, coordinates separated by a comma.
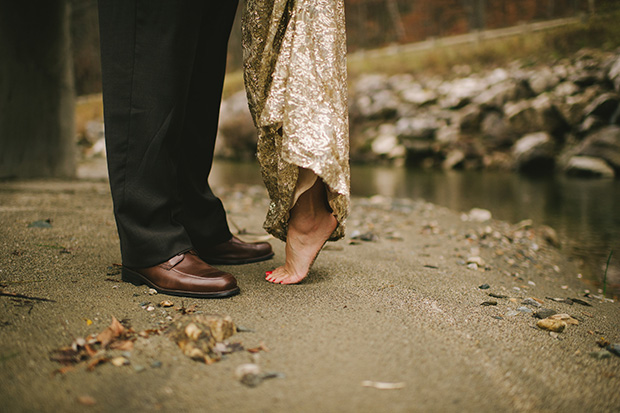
[(551, 325), (531, 301), (119, 361), (150, 308), (476, 260), (138, 368), (484, 286), (600, 355), (479, 215), (249, 374), (497, 295), (44, 223), (544, 313), (511, 313), (472, 266), (614, 349), (156, 364), (487, 303), (554, 335), (151, 291), (564, 317), (525, 310), (166, 303)]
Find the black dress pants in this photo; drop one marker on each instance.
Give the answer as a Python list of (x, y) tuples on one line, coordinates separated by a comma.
[(163, 64)]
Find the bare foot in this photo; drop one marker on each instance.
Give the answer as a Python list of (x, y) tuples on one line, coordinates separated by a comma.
[(310, 225)]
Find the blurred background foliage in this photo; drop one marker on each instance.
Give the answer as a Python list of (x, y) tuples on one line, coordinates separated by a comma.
[(374, 24)]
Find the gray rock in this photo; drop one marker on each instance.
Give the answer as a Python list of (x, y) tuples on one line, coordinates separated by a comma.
[(543, 80), (417, 128), (454, 159), (550, 118), (496, 130), (419, 96), (236, 133), (544, 313), (603, 107), (525, 310), (470, 118), (590, 124), (534, 152), (532, 302), (539, 114), (386, 140), (587, 166), (614, 74), (499, 94), (565, 89), (603, 144)]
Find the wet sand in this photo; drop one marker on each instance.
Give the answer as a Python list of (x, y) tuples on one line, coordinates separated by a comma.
[(402, 307)]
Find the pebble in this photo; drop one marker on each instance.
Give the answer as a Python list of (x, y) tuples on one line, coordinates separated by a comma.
[(484, 286), (476, 260), (497, 295), (551, 325), (472, 266), (614, 348), (486, 303), (151, 291), (564, 317), (119, 361), (601, 354), (525, 310), (532, 302), (479, 215), (511, 313), (544, 313), (156, 364), (138, 368)]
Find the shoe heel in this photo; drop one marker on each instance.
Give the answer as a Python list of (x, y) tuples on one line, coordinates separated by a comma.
[(129, 276)]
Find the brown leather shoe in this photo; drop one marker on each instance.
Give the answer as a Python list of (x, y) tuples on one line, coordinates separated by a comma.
[(235, 252), (186, 275)]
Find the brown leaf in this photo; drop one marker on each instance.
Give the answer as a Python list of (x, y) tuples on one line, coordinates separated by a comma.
[(95, 362), (124, 345), (149, 332), (68, 355), (63, 370), (261, 347), (114, 330), (87, 400)]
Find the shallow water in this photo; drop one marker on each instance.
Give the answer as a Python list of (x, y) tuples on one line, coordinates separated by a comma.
[(585, 213)]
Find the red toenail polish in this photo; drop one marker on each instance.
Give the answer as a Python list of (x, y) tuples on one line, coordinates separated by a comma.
[(268, 272)]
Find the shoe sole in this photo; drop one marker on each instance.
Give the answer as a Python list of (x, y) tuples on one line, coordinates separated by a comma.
[(220, 261), (136, 278)]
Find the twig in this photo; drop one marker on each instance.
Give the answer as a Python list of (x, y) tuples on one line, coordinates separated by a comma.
[(15, 295)]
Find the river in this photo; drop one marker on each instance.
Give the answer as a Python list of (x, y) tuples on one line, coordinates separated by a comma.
[(585, 213)]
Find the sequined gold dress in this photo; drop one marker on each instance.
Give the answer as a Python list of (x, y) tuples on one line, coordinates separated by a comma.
[(295, 77)]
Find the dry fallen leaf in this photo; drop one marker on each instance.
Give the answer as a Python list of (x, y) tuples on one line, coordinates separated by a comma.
[(114, 330), (95, 362), (86, 400)]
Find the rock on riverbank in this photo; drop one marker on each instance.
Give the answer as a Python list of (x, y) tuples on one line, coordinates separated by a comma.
[(565, 115)]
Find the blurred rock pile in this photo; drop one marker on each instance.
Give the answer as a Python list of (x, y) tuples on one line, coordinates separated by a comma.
[(533, 119), (562, 116)]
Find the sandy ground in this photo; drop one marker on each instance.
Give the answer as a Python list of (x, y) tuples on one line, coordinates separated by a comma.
[(403, 308)]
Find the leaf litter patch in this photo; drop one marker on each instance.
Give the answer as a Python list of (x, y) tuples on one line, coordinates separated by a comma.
[(201, 337)]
